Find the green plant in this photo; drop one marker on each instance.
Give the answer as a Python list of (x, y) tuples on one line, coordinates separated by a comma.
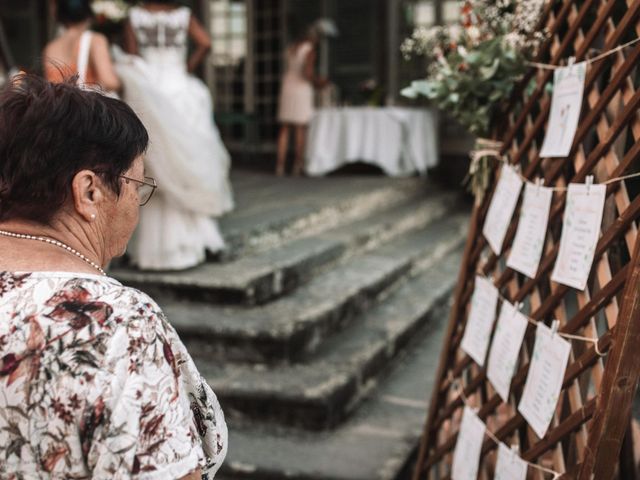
[(475, 64)]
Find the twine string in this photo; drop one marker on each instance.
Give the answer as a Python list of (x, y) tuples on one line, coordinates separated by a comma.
[(460, 390), (495, 154), (548, 66), (568, 336)]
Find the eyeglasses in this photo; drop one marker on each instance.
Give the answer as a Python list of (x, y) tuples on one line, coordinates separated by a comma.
[(146, 189)]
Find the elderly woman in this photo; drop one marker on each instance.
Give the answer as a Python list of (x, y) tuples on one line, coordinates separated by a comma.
[(94, 382)]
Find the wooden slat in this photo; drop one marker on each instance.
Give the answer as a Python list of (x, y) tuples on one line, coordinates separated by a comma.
[(593, 413)]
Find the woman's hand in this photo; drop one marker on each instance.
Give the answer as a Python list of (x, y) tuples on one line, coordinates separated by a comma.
[(321, 83)]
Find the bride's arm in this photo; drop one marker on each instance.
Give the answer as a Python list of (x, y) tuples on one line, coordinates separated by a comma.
[(130, 43), (203, 43)]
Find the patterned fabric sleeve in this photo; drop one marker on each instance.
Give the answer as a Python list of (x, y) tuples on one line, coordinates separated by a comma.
[(143, 424), (207, 413)]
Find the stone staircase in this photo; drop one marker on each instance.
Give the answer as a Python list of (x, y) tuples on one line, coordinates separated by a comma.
[(320, 329)]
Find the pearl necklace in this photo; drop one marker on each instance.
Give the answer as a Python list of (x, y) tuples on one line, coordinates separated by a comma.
[(57, 244)]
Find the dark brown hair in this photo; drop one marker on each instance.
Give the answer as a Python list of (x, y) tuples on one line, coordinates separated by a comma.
[(49, 132), (69, 12)]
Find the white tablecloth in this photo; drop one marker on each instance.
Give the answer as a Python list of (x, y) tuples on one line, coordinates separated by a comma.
[(401, 141)]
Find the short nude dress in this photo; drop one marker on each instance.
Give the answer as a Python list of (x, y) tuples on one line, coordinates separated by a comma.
[(296, 94)]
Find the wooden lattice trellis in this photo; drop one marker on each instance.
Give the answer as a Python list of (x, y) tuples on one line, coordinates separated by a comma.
[(591, 424)]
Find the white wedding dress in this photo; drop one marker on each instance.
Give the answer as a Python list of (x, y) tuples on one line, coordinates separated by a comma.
[(186, 155)]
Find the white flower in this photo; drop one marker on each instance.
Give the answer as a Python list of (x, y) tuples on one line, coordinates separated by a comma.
[(114, 10), (455, 32), (473, 33), (513, 40)]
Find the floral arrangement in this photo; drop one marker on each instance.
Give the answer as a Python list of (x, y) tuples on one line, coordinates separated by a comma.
[(371, 93), (110, 11), (474, 65), (110, 16)]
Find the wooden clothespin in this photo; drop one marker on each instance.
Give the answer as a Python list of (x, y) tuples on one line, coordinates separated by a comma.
[(588, 182), (554, 327)]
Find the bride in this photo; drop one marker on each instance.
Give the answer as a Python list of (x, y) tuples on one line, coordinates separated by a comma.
[(186, 155)]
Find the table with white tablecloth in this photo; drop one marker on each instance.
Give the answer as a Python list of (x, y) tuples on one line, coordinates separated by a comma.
[(401, 141)]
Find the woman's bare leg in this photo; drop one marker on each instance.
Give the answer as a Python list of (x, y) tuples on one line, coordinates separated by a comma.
[(283, 145), (301, 140)]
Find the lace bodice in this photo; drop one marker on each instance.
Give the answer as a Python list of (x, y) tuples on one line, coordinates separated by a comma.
[(162, 35)]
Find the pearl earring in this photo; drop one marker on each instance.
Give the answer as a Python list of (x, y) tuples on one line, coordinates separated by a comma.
[(93, 216)]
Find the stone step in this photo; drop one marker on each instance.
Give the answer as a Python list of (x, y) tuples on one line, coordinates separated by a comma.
[(289, 328), (328, 385), (372, 444), (263, 276), (264, 219)]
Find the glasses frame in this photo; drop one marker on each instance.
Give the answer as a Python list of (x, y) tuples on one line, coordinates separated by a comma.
[(149, 181)]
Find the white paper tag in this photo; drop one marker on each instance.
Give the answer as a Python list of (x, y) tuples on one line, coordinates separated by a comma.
[(532, 229), (482, 314), (509, 465), (580, 232), (566, 103), (503, 203), (544, 379), (505, 347), (466, 456)]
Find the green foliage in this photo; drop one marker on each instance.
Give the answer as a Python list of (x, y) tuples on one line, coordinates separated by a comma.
[(470, 86)]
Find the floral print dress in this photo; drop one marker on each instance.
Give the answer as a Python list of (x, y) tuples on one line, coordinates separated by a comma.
[(95, 383)]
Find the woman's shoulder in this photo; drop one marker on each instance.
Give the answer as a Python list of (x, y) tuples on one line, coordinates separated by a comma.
[(305, 48), (123, 298), (98, 37), (85, 292)]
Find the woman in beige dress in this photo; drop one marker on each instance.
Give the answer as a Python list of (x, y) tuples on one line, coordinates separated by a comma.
[(295, 107)]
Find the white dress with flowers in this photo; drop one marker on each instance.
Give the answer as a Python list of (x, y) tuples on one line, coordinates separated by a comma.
[(186, 154)]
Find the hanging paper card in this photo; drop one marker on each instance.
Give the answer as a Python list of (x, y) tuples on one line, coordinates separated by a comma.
[(532, 229), (466, 456), (566, 102), (502, 206), (509, 465), (580, 232), (482, 314), (544, 379), (505, 347)]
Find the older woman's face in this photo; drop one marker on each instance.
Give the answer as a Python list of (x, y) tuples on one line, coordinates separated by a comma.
[(123, 217)]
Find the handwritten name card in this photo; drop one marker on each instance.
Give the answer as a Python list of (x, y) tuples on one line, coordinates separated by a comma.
[(532, 229), (505, 347), (482, 314), (509, 465), (503, 203), (580, 232), (466, 456), (566, 102), (544, 379)]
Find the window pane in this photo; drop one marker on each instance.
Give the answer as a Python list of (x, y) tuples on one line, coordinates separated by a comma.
[(238, 25), (219, 7), (451, 11), (218, 26), (238, 8), (424, 14), (238, 48)]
